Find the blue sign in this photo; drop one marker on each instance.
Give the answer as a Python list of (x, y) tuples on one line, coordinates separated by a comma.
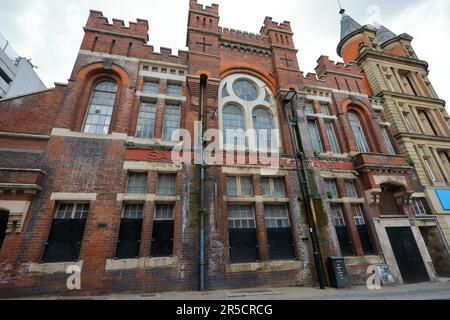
[(444, 198)]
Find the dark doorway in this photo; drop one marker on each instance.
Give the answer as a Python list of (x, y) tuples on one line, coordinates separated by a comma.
[(437, 249), (388, 205), (3, 226), (344, 241), (407, 254)]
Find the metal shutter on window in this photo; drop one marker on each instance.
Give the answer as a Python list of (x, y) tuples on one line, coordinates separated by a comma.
[(129, 241)]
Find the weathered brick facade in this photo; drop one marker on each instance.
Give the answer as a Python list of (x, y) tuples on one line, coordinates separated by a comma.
[(47, 160)]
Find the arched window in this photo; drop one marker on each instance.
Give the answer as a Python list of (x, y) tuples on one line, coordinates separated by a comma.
[(263, 125), (233, 126), (101, 108), (358, 132)]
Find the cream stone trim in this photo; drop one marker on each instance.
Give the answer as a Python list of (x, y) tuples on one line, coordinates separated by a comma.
[(348, 200), (152, 166), (371, 260), (338, 175), (17, 214), (254, 171), (52, 268), (60, 132), (161, 96), (160, 75), (121, 197), (61, 196), (141, 263), (269, 266), (155, 142), (373, 196), (256, 199), (319, 98)]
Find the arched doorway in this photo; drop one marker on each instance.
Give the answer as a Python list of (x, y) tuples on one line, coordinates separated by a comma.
[(3, 226)]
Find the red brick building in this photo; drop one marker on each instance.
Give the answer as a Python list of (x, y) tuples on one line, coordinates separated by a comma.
[(87, 175)]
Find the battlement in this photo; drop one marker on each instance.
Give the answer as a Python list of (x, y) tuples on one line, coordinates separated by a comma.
[(138, 29), (269, 24), (213, 9), (244, 36), (324, 65)]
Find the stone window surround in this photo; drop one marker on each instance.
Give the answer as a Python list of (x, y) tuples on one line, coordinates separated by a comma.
[(258, 202), (248, 108)]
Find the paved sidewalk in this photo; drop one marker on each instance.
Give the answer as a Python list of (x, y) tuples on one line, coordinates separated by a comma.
[(422, 291)]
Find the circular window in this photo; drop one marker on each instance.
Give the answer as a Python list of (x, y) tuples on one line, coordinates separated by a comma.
[(245, 90)]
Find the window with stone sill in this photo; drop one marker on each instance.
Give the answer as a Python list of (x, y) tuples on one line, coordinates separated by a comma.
[(172, 119), (325, 109), (331, 188), (243, 241), (239, 186), (418, 207), (273, 187), (351, 189), (427, 163), (332, 138), (387, 141), (66, 233), (137, 183), (130, 232), (145, 128), (279, 232), (101, 107), (163, 231), (358, 132), (315, 136), (151, 87), (167, 184), (309, 109), (174, 90)]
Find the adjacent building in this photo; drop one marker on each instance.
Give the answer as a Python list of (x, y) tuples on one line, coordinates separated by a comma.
[(17, 75)]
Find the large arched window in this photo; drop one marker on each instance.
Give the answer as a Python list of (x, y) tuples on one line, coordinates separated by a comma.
[(233, 126), (263, 125), (101, 107), (358, 132), (247, 103)]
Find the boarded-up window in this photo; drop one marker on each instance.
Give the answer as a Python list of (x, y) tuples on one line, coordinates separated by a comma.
[(163, 231), (363, 231), (279, 233), (341, 231), (129, 241), (66, 234), (242, 234)]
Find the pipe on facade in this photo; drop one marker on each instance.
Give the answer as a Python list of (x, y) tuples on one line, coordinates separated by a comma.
[(202, 211), (305, 190)]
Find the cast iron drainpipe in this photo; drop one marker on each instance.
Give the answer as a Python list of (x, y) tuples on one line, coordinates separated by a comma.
[(305, 189), (202, 211)]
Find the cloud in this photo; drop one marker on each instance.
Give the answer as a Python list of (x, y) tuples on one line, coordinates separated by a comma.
[(50, 31)]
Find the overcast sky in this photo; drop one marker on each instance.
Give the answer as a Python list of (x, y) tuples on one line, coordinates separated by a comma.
[(50, 31)]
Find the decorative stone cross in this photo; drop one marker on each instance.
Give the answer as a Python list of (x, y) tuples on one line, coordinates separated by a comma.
[(286, 59), (204, 44)]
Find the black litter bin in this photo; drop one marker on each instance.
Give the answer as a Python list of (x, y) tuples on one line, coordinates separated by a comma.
[(337, 272)]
